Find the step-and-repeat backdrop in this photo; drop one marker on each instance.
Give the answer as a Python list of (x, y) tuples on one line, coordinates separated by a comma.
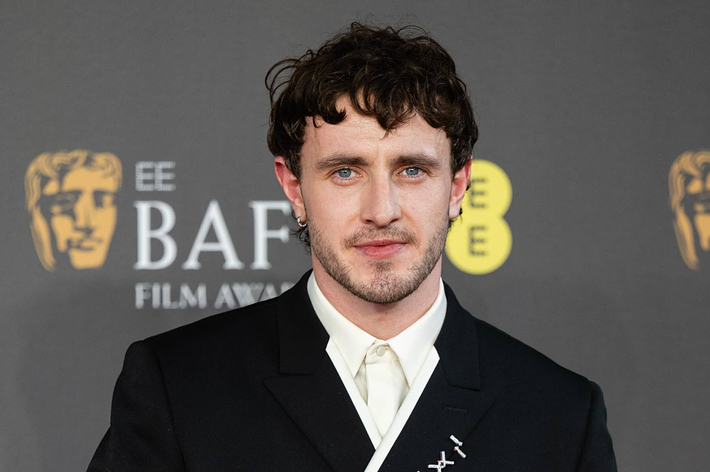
[(586, 234)]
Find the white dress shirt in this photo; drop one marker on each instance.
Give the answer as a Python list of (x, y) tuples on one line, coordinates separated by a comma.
[(399, 367)]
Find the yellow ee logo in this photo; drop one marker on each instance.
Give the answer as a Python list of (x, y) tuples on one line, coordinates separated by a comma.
[(480, 242)]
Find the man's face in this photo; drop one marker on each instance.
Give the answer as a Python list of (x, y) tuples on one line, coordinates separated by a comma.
[(377, 204), (697, 203), (81, 214)]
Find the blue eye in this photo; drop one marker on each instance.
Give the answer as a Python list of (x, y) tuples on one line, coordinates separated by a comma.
[(412, 171), (345, 173)]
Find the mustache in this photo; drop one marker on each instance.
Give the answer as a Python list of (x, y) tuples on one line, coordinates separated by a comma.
[(370, 234)]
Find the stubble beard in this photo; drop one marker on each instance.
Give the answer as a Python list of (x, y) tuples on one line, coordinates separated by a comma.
[(385, 286)]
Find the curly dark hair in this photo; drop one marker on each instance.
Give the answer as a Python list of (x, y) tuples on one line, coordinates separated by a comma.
[(387, 73)]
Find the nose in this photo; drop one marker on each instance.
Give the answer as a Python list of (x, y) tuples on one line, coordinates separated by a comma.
[(84, 214), (380, 205)]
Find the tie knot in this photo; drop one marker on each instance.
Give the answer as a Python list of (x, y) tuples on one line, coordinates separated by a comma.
[(380, 353)]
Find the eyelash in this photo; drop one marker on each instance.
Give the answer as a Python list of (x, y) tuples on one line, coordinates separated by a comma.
[(403, 171)]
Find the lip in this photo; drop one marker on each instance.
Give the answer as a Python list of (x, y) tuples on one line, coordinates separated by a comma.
[(380, 248), (84, 244)]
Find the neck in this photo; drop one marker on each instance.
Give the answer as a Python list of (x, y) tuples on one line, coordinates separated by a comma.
[(383, 321)]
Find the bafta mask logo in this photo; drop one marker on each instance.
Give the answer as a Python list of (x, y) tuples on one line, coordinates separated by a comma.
[(71, 202), (689, 183)]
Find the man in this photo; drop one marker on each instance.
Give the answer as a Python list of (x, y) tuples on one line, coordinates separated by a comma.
[(369, 362), (71, 202)]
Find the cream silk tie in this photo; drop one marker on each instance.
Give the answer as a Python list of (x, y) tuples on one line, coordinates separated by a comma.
[(386, 384)]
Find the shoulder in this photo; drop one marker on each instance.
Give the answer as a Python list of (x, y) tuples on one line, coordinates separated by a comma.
[(248, 320), (545, 405), (504, 363), (241, 333), (519, 372)]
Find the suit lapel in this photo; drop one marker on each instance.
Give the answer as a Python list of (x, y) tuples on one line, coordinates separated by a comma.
[(452, 402), (309, 387)]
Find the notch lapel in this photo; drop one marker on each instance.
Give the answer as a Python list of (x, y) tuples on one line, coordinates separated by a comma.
[(310, 389), (452, 402)]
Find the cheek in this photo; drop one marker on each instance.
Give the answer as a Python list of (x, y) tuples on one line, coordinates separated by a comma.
[(105, 221), (332, 208), (426, 213), (702, 224), (426, 202), (62, 227)]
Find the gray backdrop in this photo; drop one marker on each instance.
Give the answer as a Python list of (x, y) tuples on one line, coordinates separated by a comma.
[(584, 105)]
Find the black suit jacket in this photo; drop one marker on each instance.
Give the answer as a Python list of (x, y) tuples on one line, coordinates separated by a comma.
[(253, 389)]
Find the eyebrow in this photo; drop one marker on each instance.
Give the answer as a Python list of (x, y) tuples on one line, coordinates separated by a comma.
[(418, 160), (340, 160)]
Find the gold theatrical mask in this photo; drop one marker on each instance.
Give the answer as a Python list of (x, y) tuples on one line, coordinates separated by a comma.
[(71, 201), (689, 183)]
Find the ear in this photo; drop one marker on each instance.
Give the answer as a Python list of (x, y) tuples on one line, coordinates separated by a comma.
[(291, 186), (459, 184)]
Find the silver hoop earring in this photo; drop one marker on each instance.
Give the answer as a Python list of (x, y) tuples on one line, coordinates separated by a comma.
[(302, 225)]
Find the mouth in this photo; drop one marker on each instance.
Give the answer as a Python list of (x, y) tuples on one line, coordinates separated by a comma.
[(380, 248), (84, 244)]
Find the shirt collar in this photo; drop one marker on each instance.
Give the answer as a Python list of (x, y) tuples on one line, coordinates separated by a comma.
[(411, 345)]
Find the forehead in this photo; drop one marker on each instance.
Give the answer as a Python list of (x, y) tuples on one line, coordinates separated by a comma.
[(84, 179), (362, 136)]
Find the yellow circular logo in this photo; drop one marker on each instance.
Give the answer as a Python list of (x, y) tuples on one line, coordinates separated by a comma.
[(481, 241)]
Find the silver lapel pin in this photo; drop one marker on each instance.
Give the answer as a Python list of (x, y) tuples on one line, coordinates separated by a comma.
[(457, 448), (441, 463)]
